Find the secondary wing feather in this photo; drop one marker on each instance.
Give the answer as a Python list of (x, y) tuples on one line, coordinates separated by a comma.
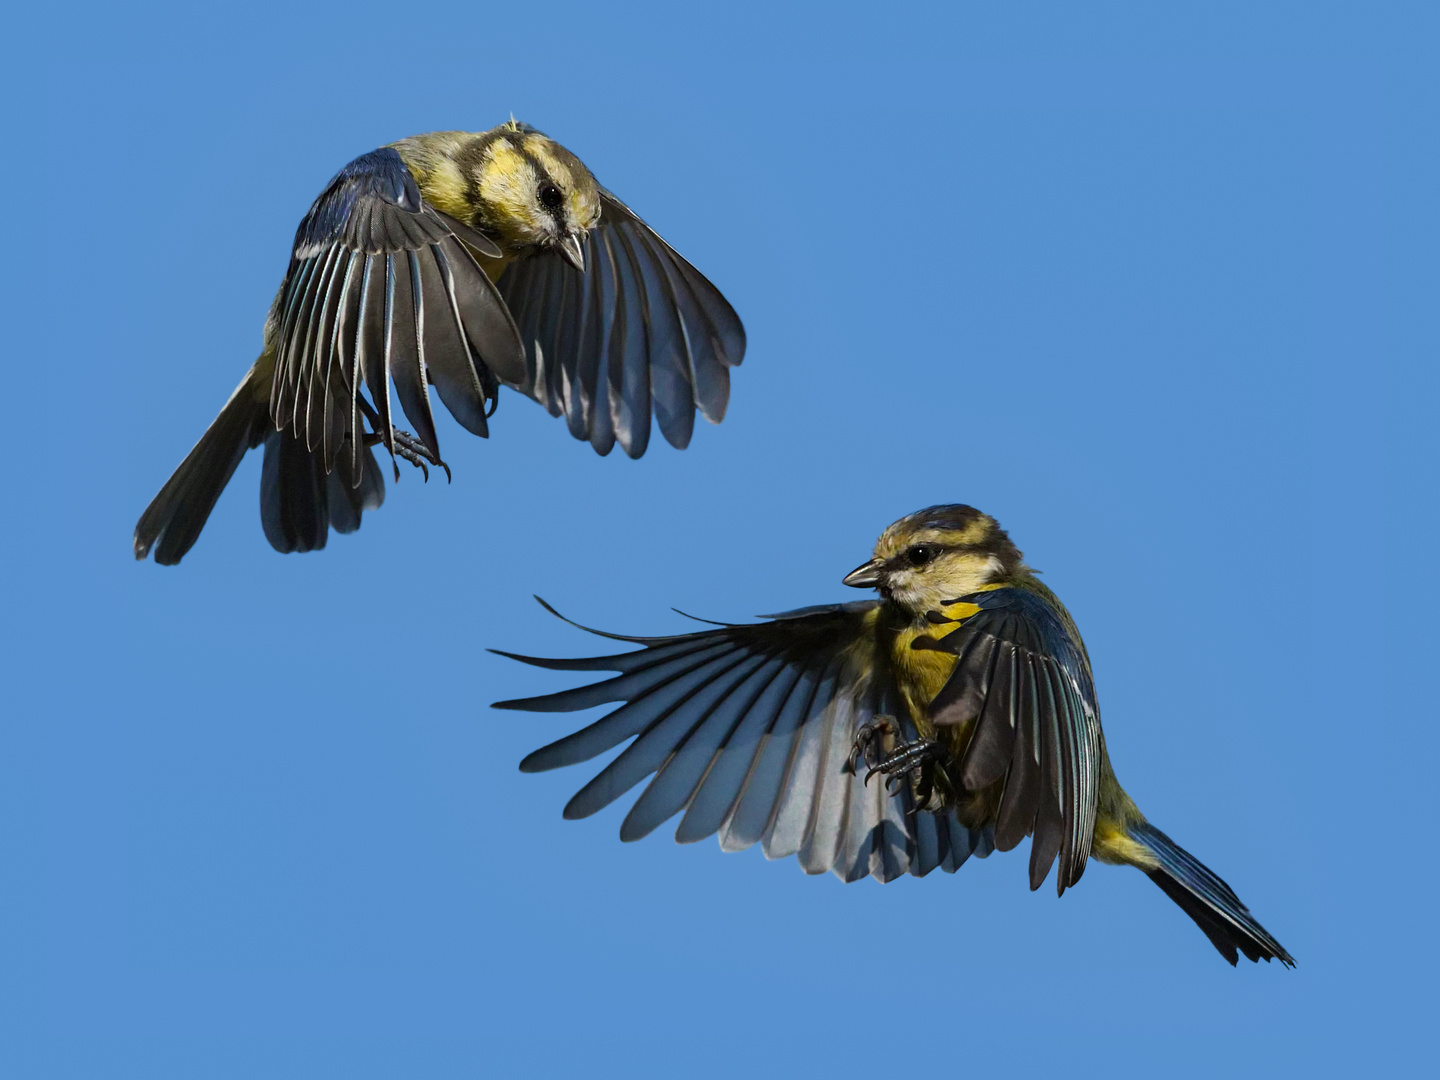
[(370, 235), (1023, 680), (746, 730), (641, 331)]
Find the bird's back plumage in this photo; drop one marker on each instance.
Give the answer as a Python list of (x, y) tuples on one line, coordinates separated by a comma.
[(392, 282)]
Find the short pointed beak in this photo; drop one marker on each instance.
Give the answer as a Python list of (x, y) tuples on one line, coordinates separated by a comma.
[(573, 252), (865, 576)]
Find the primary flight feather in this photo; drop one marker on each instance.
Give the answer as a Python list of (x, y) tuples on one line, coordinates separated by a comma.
[(461, 261), (965, 687)]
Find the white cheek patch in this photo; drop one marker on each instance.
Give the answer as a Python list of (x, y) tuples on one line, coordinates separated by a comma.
[(902, 588), (915, 589)]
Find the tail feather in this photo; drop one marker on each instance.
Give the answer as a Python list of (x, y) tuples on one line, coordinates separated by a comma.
[(176, 515), (1208, 900), (299, 501)]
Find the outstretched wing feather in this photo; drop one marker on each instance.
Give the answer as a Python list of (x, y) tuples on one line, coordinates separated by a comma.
[(369, 233), (641, 331), (746, 730), (1022, 679)]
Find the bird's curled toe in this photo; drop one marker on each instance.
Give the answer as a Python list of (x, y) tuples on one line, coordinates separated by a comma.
[(920, 763), (872, 742), (414, 451)]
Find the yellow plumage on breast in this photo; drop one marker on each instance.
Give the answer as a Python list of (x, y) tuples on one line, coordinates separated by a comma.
[(923, 673), (920, 673)]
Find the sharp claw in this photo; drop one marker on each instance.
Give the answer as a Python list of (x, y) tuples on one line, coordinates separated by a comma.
[(854, 759), (869, 744), (414, 451), (910, 763)]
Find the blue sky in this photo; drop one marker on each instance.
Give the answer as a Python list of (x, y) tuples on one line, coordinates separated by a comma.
[(1155, 287)]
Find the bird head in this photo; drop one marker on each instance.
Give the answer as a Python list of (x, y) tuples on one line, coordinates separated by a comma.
[(937, 554), (532, 192)]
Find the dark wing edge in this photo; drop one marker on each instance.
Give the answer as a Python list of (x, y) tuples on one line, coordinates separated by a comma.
[(745, 731), (1022, 678), (641, 331), (383, 288)]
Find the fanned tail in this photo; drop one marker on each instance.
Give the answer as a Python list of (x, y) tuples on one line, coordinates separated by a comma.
[(1208, 900)]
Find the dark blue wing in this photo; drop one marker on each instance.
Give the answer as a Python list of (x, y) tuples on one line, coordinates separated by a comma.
[(384, 288), (747, 729), (640, 331), (1023, 679)]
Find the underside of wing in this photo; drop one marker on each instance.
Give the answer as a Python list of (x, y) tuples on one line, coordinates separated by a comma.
[(746, 732), (1022, 680), (385, 290), (640, 331)]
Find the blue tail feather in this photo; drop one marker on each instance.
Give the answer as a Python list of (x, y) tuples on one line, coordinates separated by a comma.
[(1208, 900)]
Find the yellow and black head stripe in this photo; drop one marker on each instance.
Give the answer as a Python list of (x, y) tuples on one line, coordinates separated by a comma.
[(747, 730), (949, 527)]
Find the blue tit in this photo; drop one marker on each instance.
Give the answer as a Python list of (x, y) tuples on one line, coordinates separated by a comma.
[(964, 687), (462, 262)]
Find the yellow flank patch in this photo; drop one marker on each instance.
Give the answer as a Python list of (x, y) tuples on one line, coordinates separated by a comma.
[(959, 612), (920, 673), (962, 610), (1113, 844), (431, 159), (444, 188)]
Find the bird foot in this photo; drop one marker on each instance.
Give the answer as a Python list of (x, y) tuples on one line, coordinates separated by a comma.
[(873, 741), (414, 451), (917, 763)]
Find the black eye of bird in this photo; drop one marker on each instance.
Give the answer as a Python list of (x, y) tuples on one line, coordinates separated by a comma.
[(550, 196), (921, 554)]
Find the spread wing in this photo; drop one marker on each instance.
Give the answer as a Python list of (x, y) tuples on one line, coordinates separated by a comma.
[(1023, 678), (747, 730), (382, 288), (639, 330)]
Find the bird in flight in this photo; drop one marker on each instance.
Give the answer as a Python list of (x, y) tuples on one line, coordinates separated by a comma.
[(952, 716), (461, 261)]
